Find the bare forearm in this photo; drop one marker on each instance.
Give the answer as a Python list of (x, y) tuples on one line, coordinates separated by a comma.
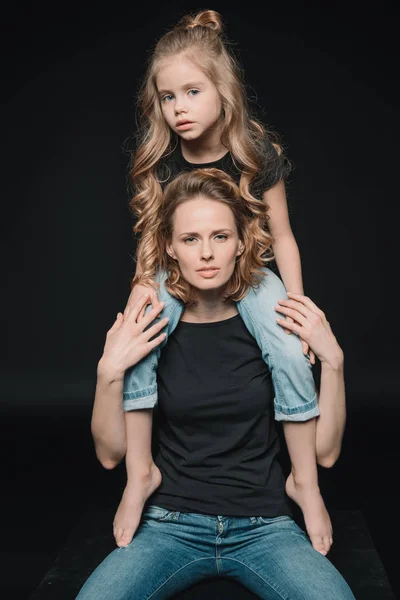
[(287, 258), (332, 420), (108, 420)]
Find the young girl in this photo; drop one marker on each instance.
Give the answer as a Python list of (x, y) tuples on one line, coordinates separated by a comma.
[(194, 115)]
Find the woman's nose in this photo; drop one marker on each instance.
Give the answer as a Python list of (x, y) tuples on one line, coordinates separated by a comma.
[(206, 252)]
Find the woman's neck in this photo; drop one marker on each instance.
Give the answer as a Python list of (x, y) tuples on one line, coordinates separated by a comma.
[(209, 309)]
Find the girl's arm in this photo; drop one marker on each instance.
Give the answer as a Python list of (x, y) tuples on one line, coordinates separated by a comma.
[(310, 324), (285, 247), (286, 250), (127, 342)]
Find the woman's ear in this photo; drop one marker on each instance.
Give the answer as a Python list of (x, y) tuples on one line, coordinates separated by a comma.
[(240, 248), (170, 251)]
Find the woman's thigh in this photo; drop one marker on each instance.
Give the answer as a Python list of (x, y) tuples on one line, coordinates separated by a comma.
[(157, 564), (279, 563)]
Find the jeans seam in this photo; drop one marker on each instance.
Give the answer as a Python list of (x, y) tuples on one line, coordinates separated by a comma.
[(176, 572), (265, 341), (255, 573)]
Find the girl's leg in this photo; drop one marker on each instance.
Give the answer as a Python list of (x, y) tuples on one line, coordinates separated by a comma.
[(278, 562), (140, 382), (302, 483), (294, 386), (140, 396), (295, 401), (165, 557), (143, 476)]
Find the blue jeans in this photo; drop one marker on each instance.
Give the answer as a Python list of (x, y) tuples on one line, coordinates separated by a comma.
[(291, 372), (171, 551)]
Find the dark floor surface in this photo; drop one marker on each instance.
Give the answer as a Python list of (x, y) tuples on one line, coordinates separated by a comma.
[(52, 477)]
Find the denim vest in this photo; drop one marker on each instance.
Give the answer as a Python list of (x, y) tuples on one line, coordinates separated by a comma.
[(291, 371)]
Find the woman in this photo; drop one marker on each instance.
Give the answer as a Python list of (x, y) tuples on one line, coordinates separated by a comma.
[(221, 508)]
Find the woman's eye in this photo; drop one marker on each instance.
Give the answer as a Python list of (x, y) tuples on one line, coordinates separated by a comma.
[(166, 98), (221, 237), (189, 240), (193, 92)]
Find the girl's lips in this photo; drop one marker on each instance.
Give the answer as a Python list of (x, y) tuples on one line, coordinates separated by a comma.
[(184, 126)]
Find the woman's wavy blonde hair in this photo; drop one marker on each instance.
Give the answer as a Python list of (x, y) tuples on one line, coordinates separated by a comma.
[(213, 184), (200, 39)]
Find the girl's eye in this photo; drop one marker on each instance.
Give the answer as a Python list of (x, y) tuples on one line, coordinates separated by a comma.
[(221, 237), (166, 98), (189, 240), (193, 92)]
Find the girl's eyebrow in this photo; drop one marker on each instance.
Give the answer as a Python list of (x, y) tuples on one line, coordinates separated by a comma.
[(185, 86)]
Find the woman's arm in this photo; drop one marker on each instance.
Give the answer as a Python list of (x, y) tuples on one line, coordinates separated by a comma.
[(127, 342), (285, 247), (311, 325)]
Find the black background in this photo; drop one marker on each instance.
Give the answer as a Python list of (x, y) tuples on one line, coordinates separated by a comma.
[(324, 77)]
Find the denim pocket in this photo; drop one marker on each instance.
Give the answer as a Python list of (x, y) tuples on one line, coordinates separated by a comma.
[(159, 514), (273, 520)]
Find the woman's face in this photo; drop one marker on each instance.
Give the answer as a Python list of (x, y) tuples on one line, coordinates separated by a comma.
[(205, 243)]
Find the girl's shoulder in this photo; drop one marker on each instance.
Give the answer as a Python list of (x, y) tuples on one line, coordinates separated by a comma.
[(168, 167), (274, 164)]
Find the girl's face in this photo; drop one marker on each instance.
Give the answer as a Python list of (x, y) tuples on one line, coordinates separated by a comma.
[(205, 243), (189, 100)]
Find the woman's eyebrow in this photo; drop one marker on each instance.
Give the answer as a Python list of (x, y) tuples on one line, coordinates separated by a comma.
[(215, 232)]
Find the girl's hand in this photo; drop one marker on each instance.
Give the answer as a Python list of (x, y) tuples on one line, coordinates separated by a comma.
[(128, 341), (137, 293), (310, 324)]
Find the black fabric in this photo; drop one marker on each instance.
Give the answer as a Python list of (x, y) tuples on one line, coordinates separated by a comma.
[(218, 444), (274, 168)]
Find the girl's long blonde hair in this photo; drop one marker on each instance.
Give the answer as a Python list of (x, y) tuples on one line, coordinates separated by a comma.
[(200, 39), (213, 184)]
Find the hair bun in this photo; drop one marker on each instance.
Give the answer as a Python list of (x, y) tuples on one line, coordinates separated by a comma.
[(206, 18)]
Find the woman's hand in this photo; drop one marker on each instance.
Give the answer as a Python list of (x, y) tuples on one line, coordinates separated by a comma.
[(128, 341), (310, 324), (137, 293)]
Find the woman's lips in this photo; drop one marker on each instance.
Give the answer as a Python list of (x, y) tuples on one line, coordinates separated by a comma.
[(208, 273)]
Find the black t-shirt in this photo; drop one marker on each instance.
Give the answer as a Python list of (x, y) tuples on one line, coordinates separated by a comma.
[(218, 444), (274, 168)]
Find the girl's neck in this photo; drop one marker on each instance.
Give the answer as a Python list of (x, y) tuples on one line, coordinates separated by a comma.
[(203, 150), (209, 308)]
